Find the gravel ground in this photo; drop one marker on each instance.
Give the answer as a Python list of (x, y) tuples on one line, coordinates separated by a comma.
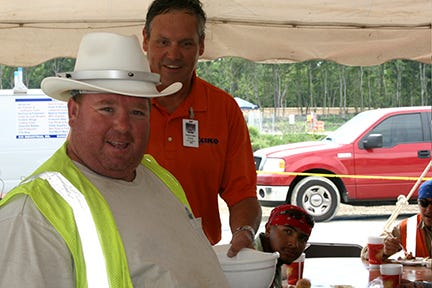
[(344, 210), (359, 211), (351, 216), (374, 210)]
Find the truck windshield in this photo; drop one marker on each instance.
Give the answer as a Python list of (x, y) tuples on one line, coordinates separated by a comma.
[(352, 129)]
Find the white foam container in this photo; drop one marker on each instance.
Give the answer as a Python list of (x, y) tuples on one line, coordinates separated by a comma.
[(249, 268)]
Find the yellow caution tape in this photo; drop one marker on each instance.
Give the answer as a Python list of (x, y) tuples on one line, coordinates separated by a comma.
[(404, 178)]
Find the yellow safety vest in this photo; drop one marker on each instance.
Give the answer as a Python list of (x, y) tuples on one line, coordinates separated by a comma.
[(64, 193)]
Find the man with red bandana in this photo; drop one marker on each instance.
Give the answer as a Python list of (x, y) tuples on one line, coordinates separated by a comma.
[(287, 232)]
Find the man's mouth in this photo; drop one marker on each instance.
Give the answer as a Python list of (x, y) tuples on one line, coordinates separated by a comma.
[(118, 145), (288, 253), (172, 66)]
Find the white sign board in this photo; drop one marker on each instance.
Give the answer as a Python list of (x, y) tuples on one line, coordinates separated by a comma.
[(32, 127)]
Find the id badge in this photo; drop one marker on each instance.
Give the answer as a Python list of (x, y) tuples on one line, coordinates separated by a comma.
[(190, 133)]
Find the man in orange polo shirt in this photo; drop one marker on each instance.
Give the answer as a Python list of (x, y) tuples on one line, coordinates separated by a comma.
[(199, 134)]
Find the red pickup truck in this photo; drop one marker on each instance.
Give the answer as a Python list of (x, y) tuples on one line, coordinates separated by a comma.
[(371, 159)]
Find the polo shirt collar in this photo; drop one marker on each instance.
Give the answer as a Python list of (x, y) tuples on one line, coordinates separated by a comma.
[(197, 98)]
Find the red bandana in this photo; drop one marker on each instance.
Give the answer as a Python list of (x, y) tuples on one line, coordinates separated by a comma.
[(291, 215)]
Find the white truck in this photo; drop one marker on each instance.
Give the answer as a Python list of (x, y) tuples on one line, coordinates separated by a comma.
[(33, 126)]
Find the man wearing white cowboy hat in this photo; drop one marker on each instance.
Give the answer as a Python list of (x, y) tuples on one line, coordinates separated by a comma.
[(92, 215)]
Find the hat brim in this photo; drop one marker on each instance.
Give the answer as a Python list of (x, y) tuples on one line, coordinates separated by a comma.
[(60, 88)]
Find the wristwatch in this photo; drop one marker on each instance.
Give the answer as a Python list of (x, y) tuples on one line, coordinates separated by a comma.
[(246, 228)]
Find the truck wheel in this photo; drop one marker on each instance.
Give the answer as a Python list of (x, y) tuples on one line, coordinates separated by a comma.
[(318, 196)]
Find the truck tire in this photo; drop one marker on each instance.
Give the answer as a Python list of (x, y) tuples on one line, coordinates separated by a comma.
[(318, 196)]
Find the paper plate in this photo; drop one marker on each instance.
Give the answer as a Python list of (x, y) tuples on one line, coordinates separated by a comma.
[(418, 261)]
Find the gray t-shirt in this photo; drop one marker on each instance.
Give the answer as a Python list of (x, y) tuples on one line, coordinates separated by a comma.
[(164, 247)]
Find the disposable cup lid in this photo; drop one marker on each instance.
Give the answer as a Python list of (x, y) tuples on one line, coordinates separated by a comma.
[(391, 269), (301, 258), (375, 240)]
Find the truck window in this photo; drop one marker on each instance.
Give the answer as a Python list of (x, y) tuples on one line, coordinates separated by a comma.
[(406, 128)]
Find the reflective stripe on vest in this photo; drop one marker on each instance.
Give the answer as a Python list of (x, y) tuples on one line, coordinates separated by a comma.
[(411, 236), (94, 258)]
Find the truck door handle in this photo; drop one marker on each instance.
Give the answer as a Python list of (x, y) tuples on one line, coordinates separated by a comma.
[(423, 154)]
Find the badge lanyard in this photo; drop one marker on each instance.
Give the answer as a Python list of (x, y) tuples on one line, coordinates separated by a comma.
[(190, 130)]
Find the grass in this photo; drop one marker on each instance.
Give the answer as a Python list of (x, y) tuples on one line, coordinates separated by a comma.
[(260, 140), (283, 133)]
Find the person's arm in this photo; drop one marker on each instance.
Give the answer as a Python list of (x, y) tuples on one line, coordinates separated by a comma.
[(245, 213), (391, 244)]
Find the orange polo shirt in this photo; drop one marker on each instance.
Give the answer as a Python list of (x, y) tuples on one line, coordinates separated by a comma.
[(222, 164)]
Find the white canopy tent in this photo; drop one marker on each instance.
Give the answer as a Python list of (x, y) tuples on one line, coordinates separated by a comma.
[(352, 32), (245, 105)]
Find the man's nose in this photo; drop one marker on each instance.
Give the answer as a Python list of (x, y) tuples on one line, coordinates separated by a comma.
[(173, 52), (294, 242), (122, 122)]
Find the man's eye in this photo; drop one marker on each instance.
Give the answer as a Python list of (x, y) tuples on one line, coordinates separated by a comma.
[(289, 231), (187, 44), (106, 109), (303, 239), (136, 112), (139, 113), (162, 42)]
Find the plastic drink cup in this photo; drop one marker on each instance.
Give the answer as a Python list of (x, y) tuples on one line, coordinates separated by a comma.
[(375, 250), (295, 270), (374, 273), (391, 275)]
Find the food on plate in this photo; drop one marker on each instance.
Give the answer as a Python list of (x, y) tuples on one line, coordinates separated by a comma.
[(414, 261), (303, 283), (408, 256)]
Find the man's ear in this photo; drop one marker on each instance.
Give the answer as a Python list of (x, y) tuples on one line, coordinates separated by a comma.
[(267, 230), (145, 40), (201, 46), (73, 109)]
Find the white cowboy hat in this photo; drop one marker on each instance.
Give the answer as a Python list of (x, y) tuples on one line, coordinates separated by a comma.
[(111, 63)]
